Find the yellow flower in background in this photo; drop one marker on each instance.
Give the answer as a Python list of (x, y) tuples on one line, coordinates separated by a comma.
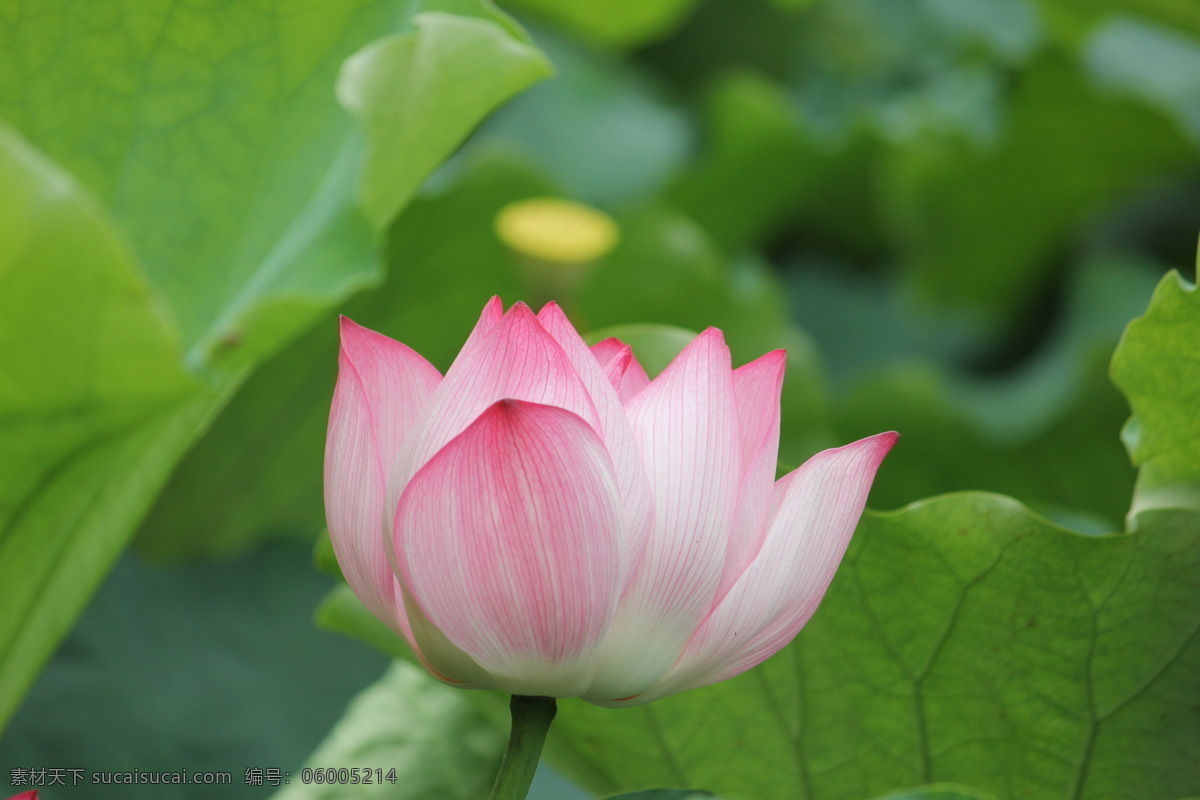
[(557, 231)]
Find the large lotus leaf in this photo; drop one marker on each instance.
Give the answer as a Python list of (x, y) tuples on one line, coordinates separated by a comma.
[(214, 137), (1157, 366), (979, 225), (93, 389), (237, 191), (964, 639)]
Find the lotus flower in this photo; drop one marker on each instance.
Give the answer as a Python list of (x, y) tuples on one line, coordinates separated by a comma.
[(546, 520)]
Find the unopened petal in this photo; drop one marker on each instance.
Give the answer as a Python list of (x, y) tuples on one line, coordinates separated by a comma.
[(509, 542), (614, 428), (613, 357), (515, 359), (756, 390), (606, 350), (382, 387), (686, 428), (818, 508), (625, 372)]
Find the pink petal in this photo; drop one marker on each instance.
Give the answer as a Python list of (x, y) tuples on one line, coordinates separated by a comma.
[(819, 505), (509, 541), (614, 369), (382, 387), (516, 359), (756, 389), (686, 428), (629, 377), (613, 360), (493, 312), (606, 350), (634, 380), (614, 428)]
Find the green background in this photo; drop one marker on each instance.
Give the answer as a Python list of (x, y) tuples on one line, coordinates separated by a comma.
[(971, 221)]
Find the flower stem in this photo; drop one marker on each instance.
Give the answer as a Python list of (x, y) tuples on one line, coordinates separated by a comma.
[(531, 718)]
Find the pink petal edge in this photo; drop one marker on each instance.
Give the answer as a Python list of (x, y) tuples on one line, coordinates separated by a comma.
[(818, 508), (382, 386)]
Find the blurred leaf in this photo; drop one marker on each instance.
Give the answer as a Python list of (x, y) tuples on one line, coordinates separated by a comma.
[(914, 69), (324, 558), (1158, 368), (1009, 29), (1075, 20), (199, 667), (550, 785), (1065, 471), (1047, 385), (754, 143), (419, 95), (778, 168), (664, 794), (980, 226), (942, 791), (616, 23), (236, 186), (1029, 432), (92, 388), (729, 34), (614, 138), (1152, 63), (342, 612), (861, 322), (430, 734), (963, 639)]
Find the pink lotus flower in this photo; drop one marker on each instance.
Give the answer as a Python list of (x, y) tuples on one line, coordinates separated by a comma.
[(548, 521)]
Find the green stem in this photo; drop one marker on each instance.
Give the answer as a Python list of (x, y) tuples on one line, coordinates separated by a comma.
[(531, 718)]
